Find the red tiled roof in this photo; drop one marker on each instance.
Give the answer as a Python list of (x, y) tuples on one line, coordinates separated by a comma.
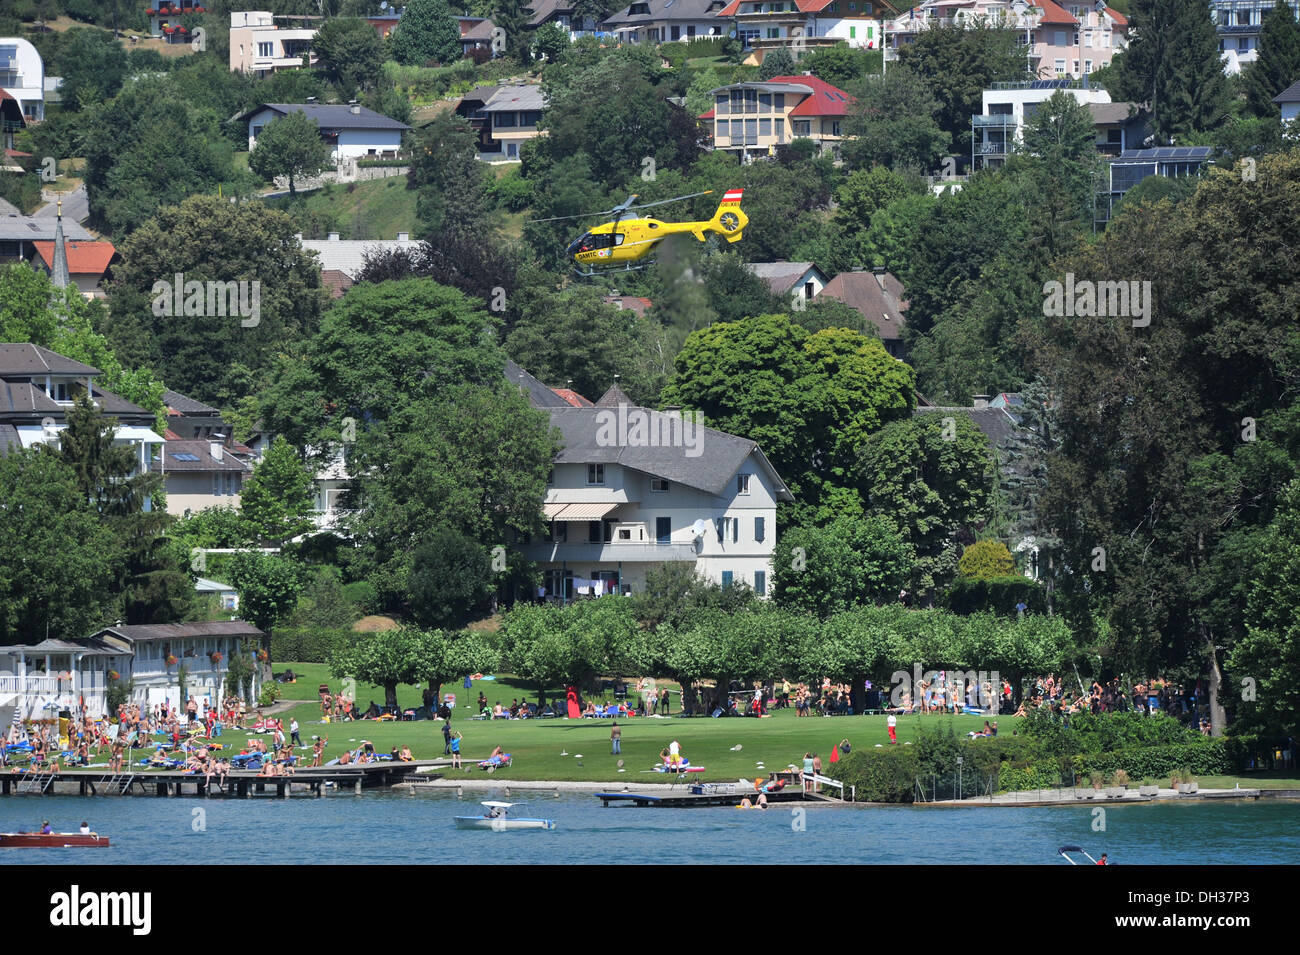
[(84, 258), (708, 115), (1054, 14), (826, 100), (336, 281), (1118, 17), (171, 435), (573, 398)]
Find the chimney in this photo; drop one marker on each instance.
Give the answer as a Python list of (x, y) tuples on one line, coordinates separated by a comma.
[(215, 448), (879, 272), (355, 107), (403, 237), (981, 401), (333, 236)]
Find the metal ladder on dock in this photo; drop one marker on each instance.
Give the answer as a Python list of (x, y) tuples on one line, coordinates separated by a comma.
[(119, 784), (37, 783)]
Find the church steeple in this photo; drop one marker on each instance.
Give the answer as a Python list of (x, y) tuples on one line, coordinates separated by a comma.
[(59, 269)]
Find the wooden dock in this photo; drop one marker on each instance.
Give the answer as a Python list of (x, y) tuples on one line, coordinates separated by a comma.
[(237, 784)]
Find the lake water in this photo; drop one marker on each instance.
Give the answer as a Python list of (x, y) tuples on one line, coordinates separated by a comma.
[(377, 828)]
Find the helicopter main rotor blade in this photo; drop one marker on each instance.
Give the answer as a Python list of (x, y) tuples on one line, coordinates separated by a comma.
[(582, 215), (664, 202)]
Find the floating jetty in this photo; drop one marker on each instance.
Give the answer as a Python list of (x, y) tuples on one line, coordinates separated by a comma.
[(237, 784), (707, 796)]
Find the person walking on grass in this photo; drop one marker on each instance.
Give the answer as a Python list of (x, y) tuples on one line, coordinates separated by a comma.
[(893, 728), (446, 737), (615, 739)]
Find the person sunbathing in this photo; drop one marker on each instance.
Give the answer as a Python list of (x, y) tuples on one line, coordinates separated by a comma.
[(405, 755)]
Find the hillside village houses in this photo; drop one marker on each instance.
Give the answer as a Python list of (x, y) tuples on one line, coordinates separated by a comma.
[(22, 76), (751, 119), (351, 131)]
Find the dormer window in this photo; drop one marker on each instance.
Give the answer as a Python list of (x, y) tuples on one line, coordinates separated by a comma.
[(639, 9)]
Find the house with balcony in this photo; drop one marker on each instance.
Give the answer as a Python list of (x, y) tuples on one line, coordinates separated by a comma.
[(505, 117), (351, 131), (999, 130), (633, 488), (38, 388), (59, 675), (666, 21), (1059, 39), (1238, 23), (22, 76), (752, 119), (561, 13), (261, 47), (764, 25), (153, 654), (12, 121)]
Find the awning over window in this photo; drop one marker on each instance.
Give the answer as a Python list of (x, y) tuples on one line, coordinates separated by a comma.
[(580, 512)]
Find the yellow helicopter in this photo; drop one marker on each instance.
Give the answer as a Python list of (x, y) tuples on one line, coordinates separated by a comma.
[(623, 244)]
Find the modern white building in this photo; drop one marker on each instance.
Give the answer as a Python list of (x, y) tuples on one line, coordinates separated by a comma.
[(260, 47), (351, 131), (634, 488), (22, 76), (999, 130)]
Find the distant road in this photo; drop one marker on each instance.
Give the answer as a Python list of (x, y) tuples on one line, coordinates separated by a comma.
[(75, 206)]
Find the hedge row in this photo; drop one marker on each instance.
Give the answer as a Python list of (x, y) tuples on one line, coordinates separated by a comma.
[(996, 595), (306, 644), (1214, 757)]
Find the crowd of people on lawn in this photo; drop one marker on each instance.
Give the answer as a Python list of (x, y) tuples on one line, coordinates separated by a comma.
[(1149, 696)]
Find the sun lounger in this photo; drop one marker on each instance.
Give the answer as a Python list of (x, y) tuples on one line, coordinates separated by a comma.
[(493, 762)]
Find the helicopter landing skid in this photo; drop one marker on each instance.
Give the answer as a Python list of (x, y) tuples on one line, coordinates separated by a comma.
[(629, 267)]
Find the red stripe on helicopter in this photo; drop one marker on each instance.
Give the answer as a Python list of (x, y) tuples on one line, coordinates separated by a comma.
[(733, 195)]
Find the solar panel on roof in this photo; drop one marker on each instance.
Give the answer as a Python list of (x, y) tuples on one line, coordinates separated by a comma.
[(185, 456)]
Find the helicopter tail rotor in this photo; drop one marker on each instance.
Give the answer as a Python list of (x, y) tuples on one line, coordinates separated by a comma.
[(729, 221)]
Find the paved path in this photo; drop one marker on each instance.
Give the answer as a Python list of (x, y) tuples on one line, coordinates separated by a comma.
[(76, 206)]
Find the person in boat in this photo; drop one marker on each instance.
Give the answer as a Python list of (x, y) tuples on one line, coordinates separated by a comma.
[(85, 829), (496, 812), (45, 828)]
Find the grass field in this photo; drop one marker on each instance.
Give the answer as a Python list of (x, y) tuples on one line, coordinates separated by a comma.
[(538, 745), (378, 209)]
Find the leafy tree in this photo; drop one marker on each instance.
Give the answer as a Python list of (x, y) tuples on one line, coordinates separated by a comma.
[(933, 476), (427, 31), (1061, 138), (1278, 62), (151, 578), (448, 177), (1269, 653), (863, 194), (392, 103), (290, 146), (446, 656), (573, 645), (840, 65), (424, 468), (777, 62), (751, 378), (550, 41), (350, 52), (450, 579), (278, 500), (894, 123), (380, 347), (386, 658), (986, 559), (268, 587), (94, 66), (958, 62), (58, 559), (848, 562), (575, 336), (512, 16), (1172, 62), (1024, 480), (216, 357)]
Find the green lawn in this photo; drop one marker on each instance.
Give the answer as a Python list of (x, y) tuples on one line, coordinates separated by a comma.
[(378, 209), (538, 745)]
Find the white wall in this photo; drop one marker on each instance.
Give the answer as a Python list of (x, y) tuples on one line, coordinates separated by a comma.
[(28, 88)]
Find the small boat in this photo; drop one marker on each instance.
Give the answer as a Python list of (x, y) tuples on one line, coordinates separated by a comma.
[(498, 820), (1065, 851), (53, 840)]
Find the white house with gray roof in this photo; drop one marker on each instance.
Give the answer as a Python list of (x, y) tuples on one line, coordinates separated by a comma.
[(633, 488), (351, 131)]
